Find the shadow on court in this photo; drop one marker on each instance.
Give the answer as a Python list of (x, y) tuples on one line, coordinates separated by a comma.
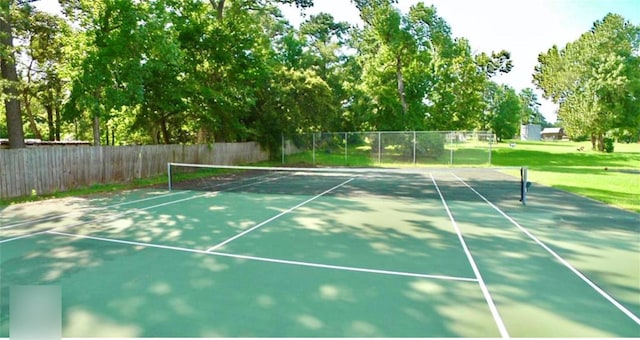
[(120, 291), (537, 295), (132, 290)]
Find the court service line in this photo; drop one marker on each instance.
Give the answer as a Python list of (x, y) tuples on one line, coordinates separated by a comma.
[(266, 259), (279, 215), (131, 211), (584, 278), (485, 291), (48, 218)]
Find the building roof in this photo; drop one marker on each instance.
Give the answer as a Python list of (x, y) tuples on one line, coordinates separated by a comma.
[(551, 130)]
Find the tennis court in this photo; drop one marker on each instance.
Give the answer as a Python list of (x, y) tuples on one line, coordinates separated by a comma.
[(341, 253)]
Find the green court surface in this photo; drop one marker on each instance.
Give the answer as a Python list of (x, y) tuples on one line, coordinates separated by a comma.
[(419, 254)]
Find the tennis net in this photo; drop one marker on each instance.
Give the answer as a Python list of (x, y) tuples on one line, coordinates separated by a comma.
[(496, 183)]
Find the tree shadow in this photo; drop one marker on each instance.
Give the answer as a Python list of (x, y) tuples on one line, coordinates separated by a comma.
[(600, 241), (123, 291), (120, 290)]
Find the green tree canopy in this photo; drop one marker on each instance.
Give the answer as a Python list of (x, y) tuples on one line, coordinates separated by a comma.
[(503, 111), (192, 71), (596, 80)]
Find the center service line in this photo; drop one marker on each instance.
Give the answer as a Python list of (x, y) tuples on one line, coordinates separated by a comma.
[(476, 271), (280, 214)]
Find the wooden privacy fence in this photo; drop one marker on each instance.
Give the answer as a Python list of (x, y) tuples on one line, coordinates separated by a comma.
[(47, 170)]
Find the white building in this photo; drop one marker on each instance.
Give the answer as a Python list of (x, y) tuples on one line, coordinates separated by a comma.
[(530, 132)]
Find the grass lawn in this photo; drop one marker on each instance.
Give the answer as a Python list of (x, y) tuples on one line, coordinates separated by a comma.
[(557, 164), (611, 178), (570, 166)]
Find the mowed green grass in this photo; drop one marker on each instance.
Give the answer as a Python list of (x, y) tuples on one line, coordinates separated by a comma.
[(556, 164), (612, 178)]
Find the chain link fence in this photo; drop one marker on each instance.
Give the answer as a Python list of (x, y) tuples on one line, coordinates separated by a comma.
[(418, 148)]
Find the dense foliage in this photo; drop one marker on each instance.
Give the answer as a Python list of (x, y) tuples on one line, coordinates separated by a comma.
[(190, 71), (596, 81)]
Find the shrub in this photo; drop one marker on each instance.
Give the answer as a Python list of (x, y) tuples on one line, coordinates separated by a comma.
[(608, 144), (428, 145)]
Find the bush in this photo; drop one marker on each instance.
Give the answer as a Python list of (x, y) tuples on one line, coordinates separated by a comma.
[(608, 144), (355, 139), (428, 145), (582, 138)]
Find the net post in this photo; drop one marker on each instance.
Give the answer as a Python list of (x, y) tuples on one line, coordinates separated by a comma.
[(169, 175), (523, 184)]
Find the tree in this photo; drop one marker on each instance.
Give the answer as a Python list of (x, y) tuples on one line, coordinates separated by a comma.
[(595, 80), (386, 51), (530, 113), (294, 102), (41, 39), (416, 74), (322, 52), (10, 76), (110, 72), (497, 63), (456, 97), (165, 91), (394, 51), (219, 5), (190, 71), (503, 111)]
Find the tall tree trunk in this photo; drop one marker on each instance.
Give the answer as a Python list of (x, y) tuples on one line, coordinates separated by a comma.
[(154, 134), (600, 142), (403, 100), (8, 66), (203, 136), (27, 104), (50, 122), (106, 132), (30, 117), (165, 131), (96, 130), (58, 119), (219, 7)]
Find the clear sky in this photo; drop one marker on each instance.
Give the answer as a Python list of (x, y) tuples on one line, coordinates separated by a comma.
[(523, 27)]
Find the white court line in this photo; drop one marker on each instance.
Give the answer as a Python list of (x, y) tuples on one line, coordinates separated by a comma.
[(43, 219), (558, 257), (131, 211), (23, 236), (265, 259), (280, 214), (106, 218), (485, 291)]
